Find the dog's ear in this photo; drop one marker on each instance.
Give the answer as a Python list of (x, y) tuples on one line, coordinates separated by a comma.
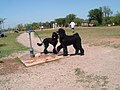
[(56, 35)]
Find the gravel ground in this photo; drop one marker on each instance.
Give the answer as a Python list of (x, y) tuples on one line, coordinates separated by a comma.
[(99, 69)]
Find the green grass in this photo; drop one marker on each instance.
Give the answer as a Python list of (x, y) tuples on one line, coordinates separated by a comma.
[(93, 36), (45, 33), (3, 82), (9, 45), (91, 81)]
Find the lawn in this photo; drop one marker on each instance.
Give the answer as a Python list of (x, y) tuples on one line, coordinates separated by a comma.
[(97, 36), (10, 45)]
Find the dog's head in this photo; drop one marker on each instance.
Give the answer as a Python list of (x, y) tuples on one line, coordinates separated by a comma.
[(61, 32), (54, 35)]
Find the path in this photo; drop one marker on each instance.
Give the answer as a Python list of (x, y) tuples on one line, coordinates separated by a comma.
[(24, 39), (60, 75)]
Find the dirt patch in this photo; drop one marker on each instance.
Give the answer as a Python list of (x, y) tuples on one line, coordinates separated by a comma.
[(10, 66)]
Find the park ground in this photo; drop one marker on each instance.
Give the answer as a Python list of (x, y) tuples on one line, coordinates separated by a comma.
[(98, 69)]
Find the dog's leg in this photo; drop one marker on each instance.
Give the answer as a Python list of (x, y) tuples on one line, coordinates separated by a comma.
[(54, 50), (65, 51), (81, 50), (76, 48), (59, 48), (45, 49)]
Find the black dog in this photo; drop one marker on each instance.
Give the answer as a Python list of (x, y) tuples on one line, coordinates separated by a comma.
[(48, 41), (66, 40)]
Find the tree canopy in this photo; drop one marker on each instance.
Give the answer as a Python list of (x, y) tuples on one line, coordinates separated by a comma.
[(117, 19), (95, 14), (70, 17)]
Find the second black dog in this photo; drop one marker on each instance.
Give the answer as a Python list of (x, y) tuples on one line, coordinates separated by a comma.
[(48, 41), (66, 40)]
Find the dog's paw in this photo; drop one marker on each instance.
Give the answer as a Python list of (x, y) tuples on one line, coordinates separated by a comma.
[(65, 54), (55, 51), (81, 54)]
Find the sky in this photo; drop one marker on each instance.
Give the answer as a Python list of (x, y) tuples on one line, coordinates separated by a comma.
[(28, 11)]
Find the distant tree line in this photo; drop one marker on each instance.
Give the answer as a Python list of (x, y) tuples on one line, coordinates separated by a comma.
[(61, 22)]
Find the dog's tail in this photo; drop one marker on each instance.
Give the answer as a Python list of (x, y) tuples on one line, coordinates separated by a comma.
[(39, 44)]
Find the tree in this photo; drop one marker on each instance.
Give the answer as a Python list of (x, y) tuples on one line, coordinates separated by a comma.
[(51, 24), (70, 17), (95, 14), (2, 22), (112, 20), (60, 21), (47, 24), (35, 25), (78, 21), (107, 12), (117, 19), (20, 27)]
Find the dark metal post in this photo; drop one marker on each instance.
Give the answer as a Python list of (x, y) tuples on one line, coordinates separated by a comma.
[(31, 49)]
